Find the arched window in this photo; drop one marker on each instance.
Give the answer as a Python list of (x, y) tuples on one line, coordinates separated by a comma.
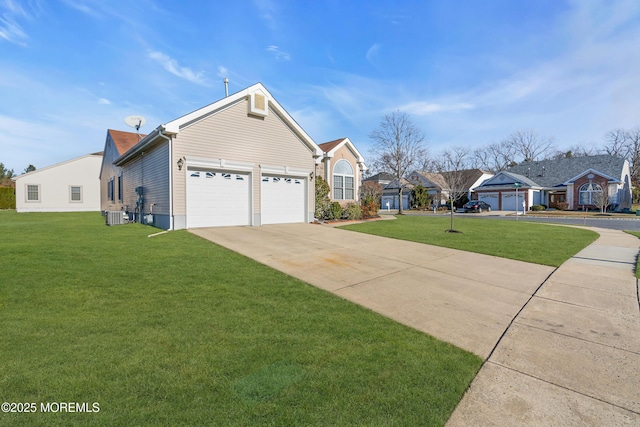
[(589, 192), (343, 180)]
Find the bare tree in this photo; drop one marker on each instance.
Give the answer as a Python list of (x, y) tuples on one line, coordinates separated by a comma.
[(601, 199), (494, 157), (574, 151), (5, 175), (617, 143), (451, 165), (633, 153), (625, 143), (398, 147), (529, 145)]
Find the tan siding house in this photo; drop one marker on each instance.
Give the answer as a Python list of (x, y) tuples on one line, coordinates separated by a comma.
[(239, 161), (342, 167)]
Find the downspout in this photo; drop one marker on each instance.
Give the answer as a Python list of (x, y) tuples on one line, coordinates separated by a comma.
[(170, 178)]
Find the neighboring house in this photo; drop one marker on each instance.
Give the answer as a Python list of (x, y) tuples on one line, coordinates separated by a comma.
[(71, 186), (567, 183), (390, 194), (436, 183), (242, 160), (111, 180), (342, 166), (382, 178)]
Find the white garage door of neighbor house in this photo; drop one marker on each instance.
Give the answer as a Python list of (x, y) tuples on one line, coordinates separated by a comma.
[(216, 198), (282, 200), (509, 201), (490, 199)]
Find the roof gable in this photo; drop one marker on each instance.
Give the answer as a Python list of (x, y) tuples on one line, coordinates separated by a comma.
[(508, 179), (260, 103), (594, 172), (330, 148), (123, 141), (66, 162), (429, 179)]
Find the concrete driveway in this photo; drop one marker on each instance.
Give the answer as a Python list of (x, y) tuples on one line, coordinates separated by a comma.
[(463, 298), (561, 346)]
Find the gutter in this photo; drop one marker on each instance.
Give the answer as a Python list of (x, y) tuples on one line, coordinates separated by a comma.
[(160, 134), (140, 146)]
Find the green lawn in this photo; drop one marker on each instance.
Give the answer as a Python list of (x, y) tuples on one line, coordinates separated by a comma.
[(174, 330), (537, 243)]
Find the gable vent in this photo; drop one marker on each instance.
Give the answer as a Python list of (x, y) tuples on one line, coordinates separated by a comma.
[(258, 104)]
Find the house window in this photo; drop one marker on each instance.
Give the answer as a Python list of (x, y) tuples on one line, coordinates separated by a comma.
[(75, 193), (33, 193), (120, 188), (589, 192), (343, 179), (110, 189)]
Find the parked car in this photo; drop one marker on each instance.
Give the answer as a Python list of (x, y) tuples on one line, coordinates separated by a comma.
[(476, 206)]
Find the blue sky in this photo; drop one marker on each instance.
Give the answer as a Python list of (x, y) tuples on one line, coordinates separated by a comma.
[(468, 72)]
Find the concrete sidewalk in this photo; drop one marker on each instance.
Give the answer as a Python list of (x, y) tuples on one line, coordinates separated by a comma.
[(572, 356)]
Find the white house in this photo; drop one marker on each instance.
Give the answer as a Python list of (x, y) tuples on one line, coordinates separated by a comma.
[(70, 186)]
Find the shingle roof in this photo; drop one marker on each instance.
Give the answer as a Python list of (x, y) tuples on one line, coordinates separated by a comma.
[(382, 176), (328, 146), (553, 173), (469, 176), (437, 180), (394, 184), (430, 179), (124, 140)]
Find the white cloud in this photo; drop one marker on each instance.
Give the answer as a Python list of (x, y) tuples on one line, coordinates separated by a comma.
[(372, 54), (278, 54), (104, 101), (223, 71), (10, 12), (421, 108), (172, 66)]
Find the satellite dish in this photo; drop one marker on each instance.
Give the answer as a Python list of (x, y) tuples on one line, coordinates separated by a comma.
[(135, 122)]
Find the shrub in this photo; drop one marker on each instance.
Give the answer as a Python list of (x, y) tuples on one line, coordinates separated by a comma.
[(538, 207), (369, 207), (420, 197), (322, 198), (335, 211), (7, 198), (352, 211)]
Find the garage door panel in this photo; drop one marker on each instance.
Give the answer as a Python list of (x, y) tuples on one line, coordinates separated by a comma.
[(509, 201), (217, 198), (283, 200), (491, 199)]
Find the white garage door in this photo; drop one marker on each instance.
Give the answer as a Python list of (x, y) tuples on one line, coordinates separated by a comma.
[(509, 201), (282, 200), (393, 202), (217, 198), (491, 199)]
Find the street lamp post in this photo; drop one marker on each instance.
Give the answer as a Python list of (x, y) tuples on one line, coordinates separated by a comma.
[(517, 185)]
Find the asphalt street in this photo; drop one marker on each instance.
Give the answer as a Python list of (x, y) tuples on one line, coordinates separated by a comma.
[(623, 224), (608, 223)]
